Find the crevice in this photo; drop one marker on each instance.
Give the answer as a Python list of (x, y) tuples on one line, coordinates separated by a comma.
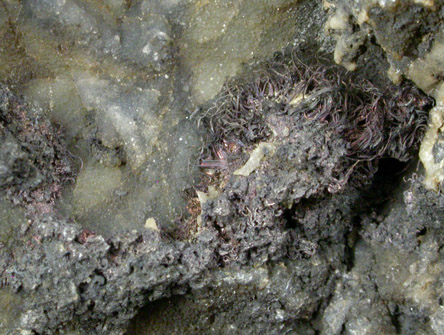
[(351, 239), (288, 217)]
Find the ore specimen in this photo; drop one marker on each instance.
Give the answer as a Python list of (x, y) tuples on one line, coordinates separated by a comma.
[(169, 154)]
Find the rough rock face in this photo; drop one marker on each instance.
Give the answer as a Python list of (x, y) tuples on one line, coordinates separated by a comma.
[(99, 283), (281, 205), (358, 24), (163, 157), (34, 160), (415, 53), (122, 77)]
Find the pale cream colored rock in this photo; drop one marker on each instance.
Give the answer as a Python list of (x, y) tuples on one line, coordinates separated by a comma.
[(339, 21), (425, 3), (150, 223), (204, 197), (256, 156), (434, 171), (423, 70)]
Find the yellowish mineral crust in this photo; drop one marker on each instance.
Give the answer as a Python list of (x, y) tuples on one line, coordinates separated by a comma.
[(430, 149)]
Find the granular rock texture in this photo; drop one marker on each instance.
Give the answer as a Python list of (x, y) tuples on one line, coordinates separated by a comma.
[(362, 27), (357, 25), (276, 299), (33, 160), (291, 203), (122, 77), (171, 172), (80, 279)]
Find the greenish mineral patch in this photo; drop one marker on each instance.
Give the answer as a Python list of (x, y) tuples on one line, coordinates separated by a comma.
[(10, 310), (11, 218), (222, 35), (120, 79)]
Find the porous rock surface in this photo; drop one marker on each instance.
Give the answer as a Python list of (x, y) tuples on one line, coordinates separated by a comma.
[(299, 224)]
